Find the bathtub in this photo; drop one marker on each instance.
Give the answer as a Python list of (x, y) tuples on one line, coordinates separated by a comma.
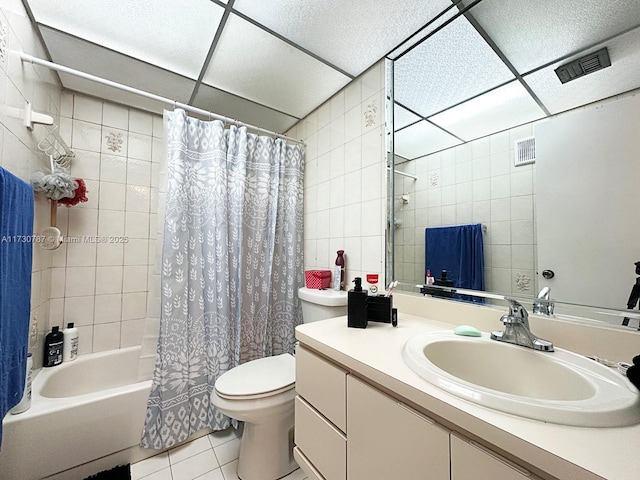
[(80, 411)]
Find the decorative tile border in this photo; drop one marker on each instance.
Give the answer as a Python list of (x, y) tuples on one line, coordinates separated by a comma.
[(370, 114), (523, 282), (115, 141)]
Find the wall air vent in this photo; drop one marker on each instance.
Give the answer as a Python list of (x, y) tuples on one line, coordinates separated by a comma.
[(584, 65), (525, 150)]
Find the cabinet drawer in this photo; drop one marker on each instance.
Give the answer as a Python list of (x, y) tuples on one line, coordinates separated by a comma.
[(470, 461), (323, 385), (322, 444), (306, 466)]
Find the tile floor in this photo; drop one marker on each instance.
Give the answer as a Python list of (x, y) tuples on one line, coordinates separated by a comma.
[(212, 457)]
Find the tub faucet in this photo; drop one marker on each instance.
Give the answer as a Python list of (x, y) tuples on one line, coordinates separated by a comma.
[(542, 305), (517, 330)]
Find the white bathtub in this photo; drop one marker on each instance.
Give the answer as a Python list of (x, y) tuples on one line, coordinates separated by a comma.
[(80, 411)]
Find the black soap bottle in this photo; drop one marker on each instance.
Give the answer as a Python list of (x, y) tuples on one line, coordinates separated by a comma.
[(357, 305), (53, 348)]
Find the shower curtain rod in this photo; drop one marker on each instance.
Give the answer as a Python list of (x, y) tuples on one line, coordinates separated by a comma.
[(87, 76)]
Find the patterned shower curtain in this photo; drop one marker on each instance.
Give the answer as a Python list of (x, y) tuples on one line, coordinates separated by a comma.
[(231, 267)]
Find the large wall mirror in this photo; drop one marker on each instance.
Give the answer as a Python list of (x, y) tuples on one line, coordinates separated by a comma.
[(523, 118)]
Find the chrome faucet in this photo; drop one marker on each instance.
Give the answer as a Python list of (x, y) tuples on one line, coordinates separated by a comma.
[(542, 305), (517, 330)]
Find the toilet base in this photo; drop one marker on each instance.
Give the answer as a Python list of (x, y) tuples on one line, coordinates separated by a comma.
[(266, 449)]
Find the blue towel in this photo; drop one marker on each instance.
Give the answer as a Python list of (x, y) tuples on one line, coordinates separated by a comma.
[(16, 230), (458, 250)]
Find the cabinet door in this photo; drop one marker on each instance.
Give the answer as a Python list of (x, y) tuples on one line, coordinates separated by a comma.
[(387, 440), (323, 385), (473, 462)]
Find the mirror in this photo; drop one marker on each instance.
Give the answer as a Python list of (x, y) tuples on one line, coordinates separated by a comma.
[(482, 77)]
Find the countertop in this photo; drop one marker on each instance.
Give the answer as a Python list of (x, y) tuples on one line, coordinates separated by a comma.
[(566, 452)]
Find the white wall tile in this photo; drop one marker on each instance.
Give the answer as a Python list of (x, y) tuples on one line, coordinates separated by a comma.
[(108, 308), (140, 122), (86, 136), (109, 279), (113, 168), (139, 146), (87, 109), (106, 336), (111, 223), (112, 196), (115, 116), (80, 281), (134, 279), (134, 305), (79, 310)]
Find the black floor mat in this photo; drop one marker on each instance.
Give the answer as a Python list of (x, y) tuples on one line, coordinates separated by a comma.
[(119, 473)]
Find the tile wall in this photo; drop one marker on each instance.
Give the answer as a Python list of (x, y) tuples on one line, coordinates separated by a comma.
[(19, 152), (476, 182), (99, 277), (345, 179)]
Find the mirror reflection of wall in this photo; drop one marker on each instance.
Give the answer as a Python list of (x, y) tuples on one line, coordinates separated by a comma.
[(472, 183), (467, 93)]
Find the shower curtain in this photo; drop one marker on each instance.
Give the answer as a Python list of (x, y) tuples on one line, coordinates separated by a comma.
[(231, 267)]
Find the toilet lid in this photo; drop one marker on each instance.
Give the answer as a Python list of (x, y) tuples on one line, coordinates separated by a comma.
[(258, 377)]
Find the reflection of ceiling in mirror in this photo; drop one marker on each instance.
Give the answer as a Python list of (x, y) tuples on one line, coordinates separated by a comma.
[(492, 68)]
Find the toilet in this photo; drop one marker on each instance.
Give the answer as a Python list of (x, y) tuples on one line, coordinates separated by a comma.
[(261, 394)]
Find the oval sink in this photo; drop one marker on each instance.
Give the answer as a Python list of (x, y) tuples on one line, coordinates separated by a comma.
[(559, 387)]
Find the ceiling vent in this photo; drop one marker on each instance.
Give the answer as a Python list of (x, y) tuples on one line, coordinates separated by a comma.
[(525, 149), (584, 65)]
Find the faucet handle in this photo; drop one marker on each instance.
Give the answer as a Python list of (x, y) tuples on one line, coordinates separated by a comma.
[(517, 313)]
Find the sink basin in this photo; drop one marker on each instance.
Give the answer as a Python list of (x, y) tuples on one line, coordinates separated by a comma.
[(559, 387)]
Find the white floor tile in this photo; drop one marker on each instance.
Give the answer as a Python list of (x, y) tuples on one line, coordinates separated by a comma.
[(223, 436), (296, 475), (195, 466), (213, 475), (149, 465), (230, 471), (189, 450), (228, 452), (164, 474)]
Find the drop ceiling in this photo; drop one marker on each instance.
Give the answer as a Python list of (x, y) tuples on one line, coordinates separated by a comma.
[(463, 68), (263, 62), (491, 67)]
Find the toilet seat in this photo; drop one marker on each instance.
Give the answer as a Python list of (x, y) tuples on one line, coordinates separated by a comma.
[(260, 378)]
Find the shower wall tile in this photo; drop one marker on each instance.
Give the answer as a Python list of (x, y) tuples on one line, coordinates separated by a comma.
[(105, 282), (21, 83), (115, 116)]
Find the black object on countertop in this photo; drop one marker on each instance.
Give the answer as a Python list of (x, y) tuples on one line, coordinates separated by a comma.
[(122, 472), (633, 373), (357, 305)]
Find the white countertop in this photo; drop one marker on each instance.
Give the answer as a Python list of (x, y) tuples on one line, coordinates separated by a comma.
[(566, 452)]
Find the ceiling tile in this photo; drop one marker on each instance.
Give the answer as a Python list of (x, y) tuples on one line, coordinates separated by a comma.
[(449, 14), (351, 35), (173, 35), (238, 108), (623, 75), (403, 117), (87, 57), (532, 34), (500, 109), (251, 63), (422, 139), (453, 65)]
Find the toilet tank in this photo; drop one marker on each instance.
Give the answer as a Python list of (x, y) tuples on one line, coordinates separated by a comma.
[(322, 304)]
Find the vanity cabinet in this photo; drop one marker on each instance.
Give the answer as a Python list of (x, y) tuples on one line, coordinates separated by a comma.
[(346, 429), (387, 439), (470, 461)]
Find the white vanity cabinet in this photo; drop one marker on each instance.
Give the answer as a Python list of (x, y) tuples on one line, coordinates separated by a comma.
[(387, 439), (346, 429), (320, 412), (470, 461)]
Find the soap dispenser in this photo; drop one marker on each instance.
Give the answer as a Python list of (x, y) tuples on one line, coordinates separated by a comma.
[(357, 305)]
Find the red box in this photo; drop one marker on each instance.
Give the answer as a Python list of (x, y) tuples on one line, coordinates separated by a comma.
[(317, 278)]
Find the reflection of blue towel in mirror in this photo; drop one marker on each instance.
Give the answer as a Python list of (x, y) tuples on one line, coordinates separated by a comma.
[(16, 230), (459, 251)]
